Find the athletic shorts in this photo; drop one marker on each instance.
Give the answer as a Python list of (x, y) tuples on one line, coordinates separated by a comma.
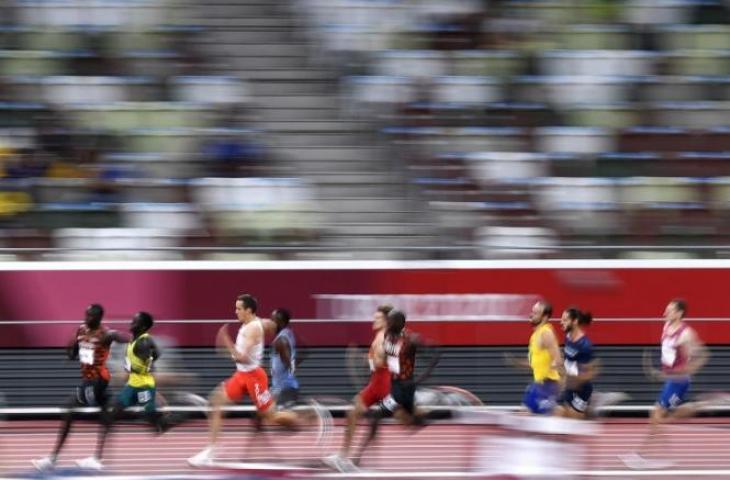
[(287, 398), (142, 396), (674, 393), (377, 388), (540, 398), (579, 398), (92, 393), (255, 383), (402, 395)]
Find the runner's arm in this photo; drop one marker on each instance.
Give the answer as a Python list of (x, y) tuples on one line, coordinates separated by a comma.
[(354, 358), (589, 371), (224, 340), (550, 343), (430, 351), (282, 347), (145, 349), (697, 352), (115, 336), (516, 362), (72, 349)]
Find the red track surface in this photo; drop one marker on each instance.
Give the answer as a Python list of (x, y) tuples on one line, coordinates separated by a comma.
[(448, 448)]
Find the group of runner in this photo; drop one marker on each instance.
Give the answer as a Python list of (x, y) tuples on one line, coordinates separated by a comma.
[(562, 381)]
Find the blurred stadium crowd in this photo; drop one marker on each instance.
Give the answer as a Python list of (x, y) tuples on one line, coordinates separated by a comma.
[(307, 129)]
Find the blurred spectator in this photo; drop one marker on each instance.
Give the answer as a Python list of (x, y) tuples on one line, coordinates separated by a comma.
[(233, 156), (53, 134), (26, 163)]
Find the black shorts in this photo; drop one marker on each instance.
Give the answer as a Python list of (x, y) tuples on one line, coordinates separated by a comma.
[(579, 398), (402, 395), (92, 393), (287, 398)]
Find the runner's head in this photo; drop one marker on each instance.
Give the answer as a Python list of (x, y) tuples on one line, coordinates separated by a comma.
[(573, 317), (396, 322), (676, 310), (141, 323), (540, 313), (380, 317), (281, 318), (246, 306), (94, 315)]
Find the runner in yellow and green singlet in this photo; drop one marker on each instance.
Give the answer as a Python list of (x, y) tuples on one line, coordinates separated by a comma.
[(140, 389)]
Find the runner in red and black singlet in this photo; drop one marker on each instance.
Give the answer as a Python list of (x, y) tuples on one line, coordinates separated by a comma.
[(401, 348), (92, 349), (90, 346)]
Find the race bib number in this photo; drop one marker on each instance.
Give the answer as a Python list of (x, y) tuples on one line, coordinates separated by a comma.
[(669, 354), (571, 368), (86, 355), (390, 404), (394, 364), (144, 396)]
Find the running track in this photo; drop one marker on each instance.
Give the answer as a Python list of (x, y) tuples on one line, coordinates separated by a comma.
[(698, 449)]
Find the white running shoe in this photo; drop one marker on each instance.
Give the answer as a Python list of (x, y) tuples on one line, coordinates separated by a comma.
[(90, 463), (339, 463), (45, 463), (203, 458), (637, 462), (601, 400), (332, 461)]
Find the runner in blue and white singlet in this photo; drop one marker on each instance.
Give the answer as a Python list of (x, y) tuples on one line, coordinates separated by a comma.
[(580, 364)]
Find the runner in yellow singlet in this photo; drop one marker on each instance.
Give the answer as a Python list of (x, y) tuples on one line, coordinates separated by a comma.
[(545, 361)]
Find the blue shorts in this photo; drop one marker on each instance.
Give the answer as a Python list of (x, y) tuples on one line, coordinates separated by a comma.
[(674, 393), (578, 399), (540, 398)]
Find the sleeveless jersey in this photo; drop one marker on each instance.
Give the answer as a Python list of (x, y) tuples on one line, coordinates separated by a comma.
[(577, 354), (674, 357), (371, 359), (281, 376), (540, 360), (93, 353), (401, 356), (140, 370), (256, 353)]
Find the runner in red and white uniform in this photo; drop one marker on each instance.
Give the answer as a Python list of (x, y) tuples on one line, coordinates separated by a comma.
[(249, 379), (683, 354), (376, 390)]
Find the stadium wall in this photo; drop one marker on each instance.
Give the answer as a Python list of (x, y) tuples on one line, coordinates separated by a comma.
[(476, 312), (450, 303)]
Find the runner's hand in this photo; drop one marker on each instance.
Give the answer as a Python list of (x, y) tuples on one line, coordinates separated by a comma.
[(649, 370), (515, 362)]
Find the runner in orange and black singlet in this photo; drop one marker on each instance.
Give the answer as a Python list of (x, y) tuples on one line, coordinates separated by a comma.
[(90, 346)]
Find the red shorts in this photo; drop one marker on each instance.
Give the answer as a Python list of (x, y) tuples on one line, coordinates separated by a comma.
[(377, 388), (254, 383)]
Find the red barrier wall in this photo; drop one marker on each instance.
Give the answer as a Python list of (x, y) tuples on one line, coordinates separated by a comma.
[(626, 298)]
